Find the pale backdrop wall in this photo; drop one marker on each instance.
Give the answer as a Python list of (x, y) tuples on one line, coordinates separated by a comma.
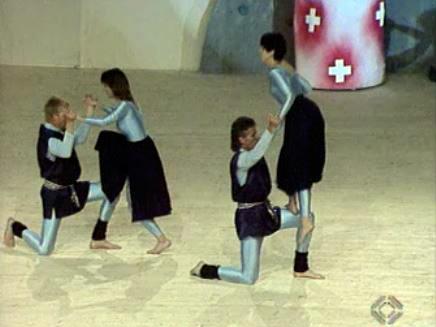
[(142, 34)]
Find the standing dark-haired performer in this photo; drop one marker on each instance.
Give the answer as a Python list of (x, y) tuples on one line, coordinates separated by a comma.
[(254, 217), (302, 156), (62, 195), (130, 156)]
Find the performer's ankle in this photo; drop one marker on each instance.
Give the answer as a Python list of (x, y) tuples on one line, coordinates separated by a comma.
[(99, 233), (209, 272), (162, 238), (18, 229), (300, 262)]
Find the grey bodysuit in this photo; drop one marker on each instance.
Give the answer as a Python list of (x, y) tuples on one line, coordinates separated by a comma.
[(285, 87), (128, 119), (130, 123)]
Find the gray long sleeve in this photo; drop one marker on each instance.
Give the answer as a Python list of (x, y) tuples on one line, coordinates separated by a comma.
[(282, 86), (61, 148), (128, 119), (81, 133), (285, 87), (113, 116), (248, 159)]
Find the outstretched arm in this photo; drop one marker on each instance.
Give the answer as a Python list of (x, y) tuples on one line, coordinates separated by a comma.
[(81, 133), (278, 81), (247, 159), (115, 115)]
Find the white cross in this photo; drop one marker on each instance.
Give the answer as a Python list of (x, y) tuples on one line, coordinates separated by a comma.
[(339, 71), (312, 20), (380, 14)]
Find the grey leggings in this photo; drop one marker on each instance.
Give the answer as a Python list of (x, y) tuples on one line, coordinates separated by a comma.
[(152, 227), (44, 244), (304, 202), (149, 224), (250, 252)]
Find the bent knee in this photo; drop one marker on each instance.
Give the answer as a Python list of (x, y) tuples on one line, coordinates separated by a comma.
[(250, 280), (45, 251)]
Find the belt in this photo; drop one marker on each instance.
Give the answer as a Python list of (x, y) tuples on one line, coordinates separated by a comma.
[(56, 187), (249, 205), (53, 186)]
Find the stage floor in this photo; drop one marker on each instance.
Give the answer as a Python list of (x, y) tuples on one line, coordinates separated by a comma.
[(375, 210)]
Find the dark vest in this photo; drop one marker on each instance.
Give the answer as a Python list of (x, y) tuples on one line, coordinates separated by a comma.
[(62, 171), (258, 184)]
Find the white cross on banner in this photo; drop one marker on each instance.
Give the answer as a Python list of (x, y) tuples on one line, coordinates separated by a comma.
[(339, 70), (312, 20), (380, 14)]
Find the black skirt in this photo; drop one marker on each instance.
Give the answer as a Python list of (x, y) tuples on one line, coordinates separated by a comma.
[(257, 221), (64, 202), (139, 162), (302, 156)]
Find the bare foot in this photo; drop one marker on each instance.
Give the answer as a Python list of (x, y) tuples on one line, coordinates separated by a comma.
[(292, 205), (308, 274), (292, 209), (306, 227), (196, 270), (103, 245), (9, 237), (160, 247)]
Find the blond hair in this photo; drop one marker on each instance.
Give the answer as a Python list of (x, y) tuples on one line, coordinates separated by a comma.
[(52, 107)]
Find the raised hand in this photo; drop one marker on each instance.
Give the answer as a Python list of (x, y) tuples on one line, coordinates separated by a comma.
[(272, 122), (90, 103)]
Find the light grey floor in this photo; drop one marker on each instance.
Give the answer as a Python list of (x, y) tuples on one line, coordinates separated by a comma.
[(375, 210)]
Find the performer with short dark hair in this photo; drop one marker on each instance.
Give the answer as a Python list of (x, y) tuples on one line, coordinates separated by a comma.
[(131, 156)]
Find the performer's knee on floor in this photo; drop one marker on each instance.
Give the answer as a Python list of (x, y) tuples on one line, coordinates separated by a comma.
[(249, 279), (45, 250)]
